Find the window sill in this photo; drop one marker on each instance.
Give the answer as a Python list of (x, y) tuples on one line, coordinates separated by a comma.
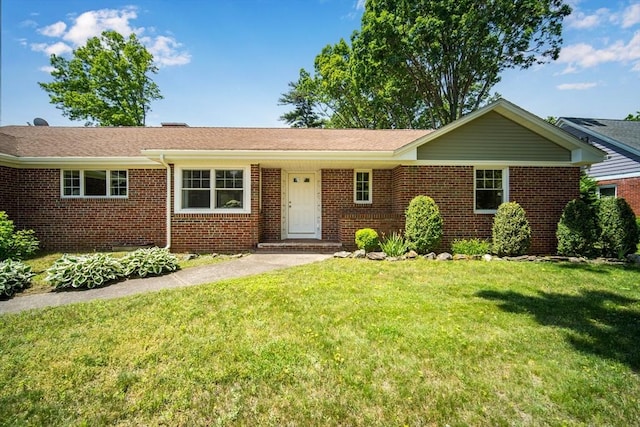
[(212, 211)]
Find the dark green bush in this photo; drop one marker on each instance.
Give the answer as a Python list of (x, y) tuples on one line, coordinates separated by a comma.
[(367, 239), (423, 227), (617, 227), (511, 231), (15, 244), (470, 247), (14, 276), (577, 232)]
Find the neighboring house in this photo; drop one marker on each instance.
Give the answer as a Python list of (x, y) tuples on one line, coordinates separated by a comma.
[(619, 174), (226, 189)]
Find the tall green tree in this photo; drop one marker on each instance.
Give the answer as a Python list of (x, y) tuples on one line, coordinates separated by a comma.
[(425, 63), (301, 96), (635, 118), (106, 82)]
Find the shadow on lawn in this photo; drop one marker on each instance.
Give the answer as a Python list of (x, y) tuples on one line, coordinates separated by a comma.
[(600, 323)]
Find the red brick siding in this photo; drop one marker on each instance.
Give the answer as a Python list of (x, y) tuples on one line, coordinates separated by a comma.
[(628, 189), (219, 232), (271, 209), (9, 191), (384, 224), (66, 224)]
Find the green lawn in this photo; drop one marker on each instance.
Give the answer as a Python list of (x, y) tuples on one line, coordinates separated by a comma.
[(342, 342)]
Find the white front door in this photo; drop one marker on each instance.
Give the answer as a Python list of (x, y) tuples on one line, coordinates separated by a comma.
[(301, 208)]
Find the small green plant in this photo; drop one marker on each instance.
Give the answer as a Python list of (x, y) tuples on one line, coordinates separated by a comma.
[(367, 239), (14, 276), (15, 244), (393, 245), (470, 247), (150, 261), (617, 227), (511, 231), (423, 226), (577, 233), (84, 271)]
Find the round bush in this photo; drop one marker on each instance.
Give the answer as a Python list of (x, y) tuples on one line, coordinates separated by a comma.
[(367, 239), (576, 231), (618, 231), (423, 226), (511, 231)]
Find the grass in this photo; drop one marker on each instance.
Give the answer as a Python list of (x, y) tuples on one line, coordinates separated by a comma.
[(342, 342)]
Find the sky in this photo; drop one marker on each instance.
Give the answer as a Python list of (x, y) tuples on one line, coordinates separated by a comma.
[(226, 62)]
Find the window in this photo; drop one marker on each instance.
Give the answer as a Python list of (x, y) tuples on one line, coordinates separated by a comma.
[(491, 189), (362, 186), (94, 183), (213, 189), (607, 191)]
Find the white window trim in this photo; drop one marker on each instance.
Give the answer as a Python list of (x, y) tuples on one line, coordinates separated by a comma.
[(614, 186), (505, 187), (246, 188), (355, 175), (82, 196)]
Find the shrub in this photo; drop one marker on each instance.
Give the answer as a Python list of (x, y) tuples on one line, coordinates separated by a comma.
[(84, 271), (470, 247), (15, 244), (367, 239), (423, 227), (618, 231), (588, 189), (511, 231), (14, 276), (576, 232), (151, 261), (393, 245)]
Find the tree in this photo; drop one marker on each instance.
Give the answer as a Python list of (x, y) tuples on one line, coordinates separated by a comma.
[(106, 82), (635, 118), (425, 63), (300, 95)]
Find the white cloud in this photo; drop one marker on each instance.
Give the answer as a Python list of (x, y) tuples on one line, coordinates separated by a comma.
[(94, 22), (580, 20), (584, 55), (631, 16), (59, 48), (165, 51), (576, 86), (29, 23), (53, 30), (47, 69), (360, 4)]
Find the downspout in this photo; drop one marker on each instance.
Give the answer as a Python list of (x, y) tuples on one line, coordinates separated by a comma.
[(168, 208)]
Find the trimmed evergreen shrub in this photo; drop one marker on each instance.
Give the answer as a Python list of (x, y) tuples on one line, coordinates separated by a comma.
[(367, 239), (470, 247), (15, 244), (423, 226), (511, 231), (14, 276), (617, 227), (577, 232)]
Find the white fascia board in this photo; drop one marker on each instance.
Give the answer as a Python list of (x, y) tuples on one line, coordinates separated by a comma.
[(486, 163), (177, 156), (78, 162)]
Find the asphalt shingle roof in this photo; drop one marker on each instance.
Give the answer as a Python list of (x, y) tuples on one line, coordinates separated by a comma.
[(45, 141), (624, 131)]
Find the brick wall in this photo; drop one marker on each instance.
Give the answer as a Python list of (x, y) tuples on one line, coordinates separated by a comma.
[(628, 189), (65, 224), (219, 232), (8, 191), (271, 209)]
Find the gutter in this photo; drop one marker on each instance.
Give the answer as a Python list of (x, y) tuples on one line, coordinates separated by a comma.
[(168, 208)]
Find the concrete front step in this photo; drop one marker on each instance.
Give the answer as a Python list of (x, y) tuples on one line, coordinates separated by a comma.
[(299, 246)]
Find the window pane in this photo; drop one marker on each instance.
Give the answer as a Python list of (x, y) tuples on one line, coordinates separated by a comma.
[(196, 179), (229, 199), (229, 179), (118, 183), (196, 199), (95, 183), (607, 191), (489, 189), (71, 183)]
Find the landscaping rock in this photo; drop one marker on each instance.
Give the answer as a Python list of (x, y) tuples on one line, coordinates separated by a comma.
[(460, 257), (376, 256), (189, 257), (342, 254), (394, 258), (487, 257), (411, 255), (634, 258), (430, 256), (576, 260), (445, 256), (360, 253)]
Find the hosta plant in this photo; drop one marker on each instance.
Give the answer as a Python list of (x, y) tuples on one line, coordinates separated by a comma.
[(151, 261), (14, 276), (84, 271)]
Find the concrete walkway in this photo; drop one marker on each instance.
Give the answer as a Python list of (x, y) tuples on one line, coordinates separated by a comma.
[(241, 267)]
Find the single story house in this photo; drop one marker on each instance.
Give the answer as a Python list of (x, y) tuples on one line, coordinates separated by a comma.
[(232, 189), (619, 174)]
